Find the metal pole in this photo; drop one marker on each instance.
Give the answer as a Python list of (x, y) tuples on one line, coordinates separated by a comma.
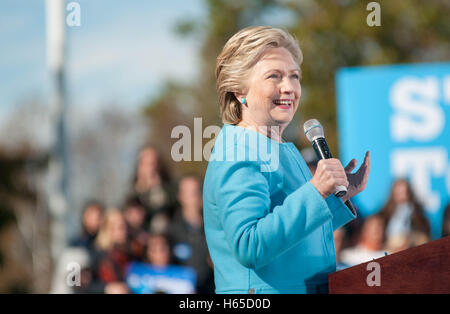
[(58, 180)]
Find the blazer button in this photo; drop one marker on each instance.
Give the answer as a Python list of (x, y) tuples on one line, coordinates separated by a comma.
[(251, 291)]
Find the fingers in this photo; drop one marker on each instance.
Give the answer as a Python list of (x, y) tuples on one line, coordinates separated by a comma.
[(328, 176), (358, 180), (367, 163), (351, 165), (332, 168), (331, 164), (363, 172), (367, 159), (335, 182)]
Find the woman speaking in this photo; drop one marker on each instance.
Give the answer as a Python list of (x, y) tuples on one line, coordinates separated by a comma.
[(268, 222)]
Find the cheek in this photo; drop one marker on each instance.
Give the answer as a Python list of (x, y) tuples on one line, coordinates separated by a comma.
[(298, 95), (263, 90), (257, 102), (298, 91)]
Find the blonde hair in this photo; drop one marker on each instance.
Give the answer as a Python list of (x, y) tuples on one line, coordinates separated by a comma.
[(104, 238), (238, 56)]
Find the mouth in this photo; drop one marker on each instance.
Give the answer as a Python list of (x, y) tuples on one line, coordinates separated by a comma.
[(283, 103)]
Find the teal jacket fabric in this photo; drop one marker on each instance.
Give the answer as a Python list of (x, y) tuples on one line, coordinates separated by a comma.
[(267, 227)]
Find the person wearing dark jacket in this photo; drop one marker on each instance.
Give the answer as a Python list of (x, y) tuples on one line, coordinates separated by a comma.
[(90, 224), (187, 234), (152, 185)]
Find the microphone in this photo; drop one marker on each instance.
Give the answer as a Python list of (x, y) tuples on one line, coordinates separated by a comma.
[(314, 133)]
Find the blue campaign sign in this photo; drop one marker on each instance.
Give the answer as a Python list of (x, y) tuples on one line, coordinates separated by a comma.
[(144, 278), (401, 113)]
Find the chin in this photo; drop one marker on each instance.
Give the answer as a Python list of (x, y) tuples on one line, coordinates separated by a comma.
[(283, 119)]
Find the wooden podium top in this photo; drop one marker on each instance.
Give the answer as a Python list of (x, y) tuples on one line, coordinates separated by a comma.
[(421, 269)]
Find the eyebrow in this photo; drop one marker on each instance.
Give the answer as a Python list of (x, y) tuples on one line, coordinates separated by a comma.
[(278, 70)]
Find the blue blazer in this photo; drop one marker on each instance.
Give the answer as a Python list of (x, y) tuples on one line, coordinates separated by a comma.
[(267, 227)]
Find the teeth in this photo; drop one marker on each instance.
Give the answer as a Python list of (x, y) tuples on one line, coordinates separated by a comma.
[(283, 102)]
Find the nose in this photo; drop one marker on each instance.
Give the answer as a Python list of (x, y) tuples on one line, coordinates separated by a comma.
[(286, 86)]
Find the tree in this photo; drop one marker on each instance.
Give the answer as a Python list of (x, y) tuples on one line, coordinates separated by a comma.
[(24, 264)]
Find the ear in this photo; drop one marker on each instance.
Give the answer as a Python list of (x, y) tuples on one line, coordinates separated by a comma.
[(239, 98)]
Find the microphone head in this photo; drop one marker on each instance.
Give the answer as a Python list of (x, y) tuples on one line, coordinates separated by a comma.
[(313, 129)]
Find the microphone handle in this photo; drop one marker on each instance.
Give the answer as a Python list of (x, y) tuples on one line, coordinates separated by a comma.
[(320, 146)]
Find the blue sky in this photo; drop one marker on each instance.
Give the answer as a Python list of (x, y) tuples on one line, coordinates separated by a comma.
[(122, 52)]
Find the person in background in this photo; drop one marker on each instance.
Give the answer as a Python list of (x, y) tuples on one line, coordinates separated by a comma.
[(339, 239), (158, 273), (152, 185), (90, 223), (187, 234), (446, 222), (134, 214), (158, 252), (407, 225), (113, 254), (370, 243)]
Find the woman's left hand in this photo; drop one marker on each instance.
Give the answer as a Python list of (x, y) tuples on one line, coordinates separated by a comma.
[(358, 180)]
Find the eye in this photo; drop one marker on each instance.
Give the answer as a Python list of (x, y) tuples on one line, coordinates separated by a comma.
[(274, 76), (296, 76)]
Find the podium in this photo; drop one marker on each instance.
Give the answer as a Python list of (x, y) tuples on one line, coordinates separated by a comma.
[(421, 269)]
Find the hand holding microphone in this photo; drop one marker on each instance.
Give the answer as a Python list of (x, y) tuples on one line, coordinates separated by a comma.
[(330, 176)]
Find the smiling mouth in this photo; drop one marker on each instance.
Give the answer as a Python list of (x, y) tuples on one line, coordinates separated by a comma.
[(283, 103)]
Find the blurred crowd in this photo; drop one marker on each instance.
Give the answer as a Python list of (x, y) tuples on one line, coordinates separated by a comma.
[(398, 225), (153, 243)]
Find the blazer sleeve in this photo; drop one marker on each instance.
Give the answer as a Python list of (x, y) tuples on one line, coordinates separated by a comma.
[(342, 212), (255, 235)]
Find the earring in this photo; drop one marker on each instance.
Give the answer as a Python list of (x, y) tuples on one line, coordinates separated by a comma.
[(243, 101)]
